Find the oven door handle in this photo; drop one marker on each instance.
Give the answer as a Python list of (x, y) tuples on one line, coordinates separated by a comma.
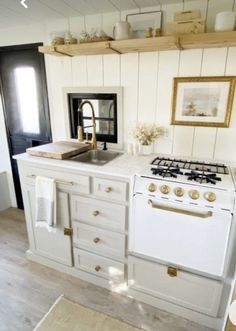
[(180, 210)]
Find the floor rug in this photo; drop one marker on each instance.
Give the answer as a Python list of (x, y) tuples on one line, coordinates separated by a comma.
[(66, 315)]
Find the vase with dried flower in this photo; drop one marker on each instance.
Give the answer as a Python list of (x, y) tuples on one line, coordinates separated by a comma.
[(146, 134)]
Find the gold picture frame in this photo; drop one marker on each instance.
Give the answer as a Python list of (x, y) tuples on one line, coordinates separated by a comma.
[(203, 101)]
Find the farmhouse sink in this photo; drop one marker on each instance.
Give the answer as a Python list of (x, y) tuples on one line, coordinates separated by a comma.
[(97, 157)]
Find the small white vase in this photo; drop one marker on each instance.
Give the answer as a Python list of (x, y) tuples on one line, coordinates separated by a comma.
[(145, 149)]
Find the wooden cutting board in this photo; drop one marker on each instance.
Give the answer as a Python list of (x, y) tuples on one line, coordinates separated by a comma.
[(60, 150)]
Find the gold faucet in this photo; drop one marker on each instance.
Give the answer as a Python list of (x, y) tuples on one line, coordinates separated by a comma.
[(80, 128)]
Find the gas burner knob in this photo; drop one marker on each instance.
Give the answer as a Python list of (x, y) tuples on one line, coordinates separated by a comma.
[(194, 194), (152, 187), (210, 196), (165, 189), (179, 191)]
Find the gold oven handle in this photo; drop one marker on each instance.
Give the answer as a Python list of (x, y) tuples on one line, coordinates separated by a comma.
[(180, 210)]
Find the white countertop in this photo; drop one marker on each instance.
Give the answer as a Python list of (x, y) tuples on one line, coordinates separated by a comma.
[(124, 166)]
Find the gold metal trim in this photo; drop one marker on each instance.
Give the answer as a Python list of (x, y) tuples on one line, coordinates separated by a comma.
[(180, 210), (172, 272), (68, 231), (97, 268), (96, 240), (226, 122), (96, 213)]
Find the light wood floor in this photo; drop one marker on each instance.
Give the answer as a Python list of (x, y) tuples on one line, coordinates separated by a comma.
[(27, 289)]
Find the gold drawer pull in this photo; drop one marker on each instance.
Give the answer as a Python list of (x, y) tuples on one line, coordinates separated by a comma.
[(96, 240), (108, 189), (172, 272), (97, 268), (68, 231), (180, 210), (95, 213)]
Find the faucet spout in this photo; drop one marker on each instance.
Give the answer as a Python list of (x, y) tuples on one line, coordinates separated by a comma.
[(93, 140)]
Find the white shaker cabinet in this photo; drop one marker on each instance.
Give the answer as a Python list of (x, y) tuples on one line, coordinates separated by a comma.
[(90, 236), (53, 245)]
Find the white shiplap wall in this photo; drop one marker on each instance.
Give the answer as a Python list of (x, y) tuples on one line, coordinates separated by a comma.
[(146, 79)]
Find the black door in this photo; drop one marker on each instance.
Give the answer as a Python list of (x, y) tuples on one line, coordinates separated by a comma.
[(25, 102)]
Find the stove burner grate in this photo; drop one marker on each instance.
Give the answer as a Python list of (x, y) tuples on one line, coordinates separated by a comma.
[(202, 177), (167, 171), (216, 168)]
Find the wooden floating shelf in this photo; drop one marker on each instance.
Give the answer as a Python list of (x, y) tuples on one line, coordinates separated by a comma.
[(188, 41)]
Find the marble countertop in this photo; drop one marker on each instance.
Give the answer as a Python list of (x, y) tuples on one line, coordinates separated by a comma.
[(124, 166)]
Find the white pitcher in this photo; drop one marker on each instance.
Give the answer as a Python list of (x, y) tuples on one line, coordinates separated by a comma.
[(122, 30)]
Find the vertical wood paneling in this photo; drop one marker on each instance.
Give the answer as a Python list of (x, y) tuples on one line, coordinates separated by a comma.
[(168, 13), (129, 81), (190, 62), (79, 71), (167, 69), (59, 25), (189, 65), (93, 22), (95, 70), (108, 21), (214, 7), (204, 142), (76, 25), (183, 140), (198, 4), (60, 72), (111, 70), (213, 63), (225, 146), (148, 63)]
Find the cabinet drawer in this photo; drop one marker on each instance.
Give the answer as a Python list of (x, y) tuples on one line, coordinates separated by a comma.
[(110, 189), (67, 181), (98, 265), (99, 241), (194, 292), (98, 213)]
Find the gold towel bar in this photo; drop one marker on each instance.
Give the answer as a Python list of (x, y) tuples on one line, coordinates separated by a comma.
[(57, 180)]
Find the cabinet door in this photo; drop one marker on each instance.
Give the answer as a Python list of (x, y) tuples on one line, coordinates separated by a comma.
[(53, 245)]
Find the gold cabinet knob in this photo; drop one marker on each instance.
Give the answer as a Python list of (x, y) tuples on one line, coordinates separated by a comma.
[(95, 213), (172, 272), (210, 196), (152, 187), (108, 189), (96, 240), (194, 194), (165, 189), (97, 268), (179, 191)]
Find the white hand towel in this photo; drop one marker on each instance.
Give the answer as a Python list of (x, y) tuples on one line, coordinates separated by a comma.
[(45, 195)]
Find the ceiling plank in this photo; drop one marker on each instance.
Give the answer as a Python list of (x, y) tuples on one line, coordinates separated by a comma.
[(124, 4), (147, 3), (61, 7), (84, 7), (102, 6), (36, 10)]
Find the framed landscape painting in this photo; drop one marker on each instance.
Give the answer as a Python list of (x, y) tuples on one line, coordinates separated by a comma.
[(203, 101)]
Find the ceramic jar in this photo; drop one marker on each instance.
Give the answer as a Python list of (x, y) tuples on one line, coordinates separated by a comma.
[(122, 30), (225, 21)]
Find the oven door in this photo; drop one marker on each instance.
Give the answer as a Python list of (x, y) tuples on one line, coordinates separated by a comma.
[(179, 234)]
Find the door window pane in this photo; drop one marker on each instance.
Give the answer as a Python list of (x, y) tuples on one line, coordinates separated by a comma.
[(25, 80)]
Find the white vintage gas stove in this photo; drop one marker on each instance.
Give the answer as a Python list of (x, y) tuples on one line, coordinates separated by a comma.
[(182, 214)]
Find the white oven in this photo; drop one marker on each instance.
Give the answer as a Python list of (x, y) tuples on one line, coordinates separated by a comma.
[(182, 213)]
